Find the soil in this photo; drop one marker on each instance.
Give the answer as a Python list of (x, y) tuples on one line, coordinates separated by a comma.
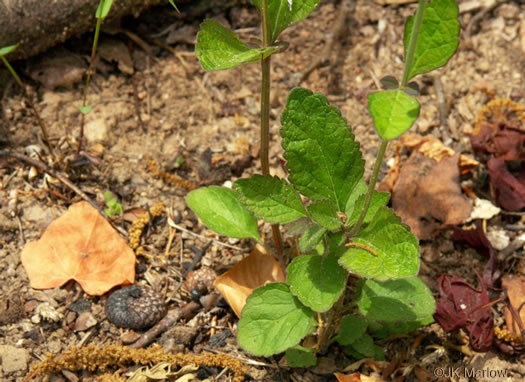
[(158, 103)]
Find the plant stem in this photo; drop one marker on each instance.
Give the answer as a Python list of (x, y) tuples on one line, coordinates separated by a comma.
[(265, 118), (88, 76), (371, 187), (31, 103), (411, 50), (333, 316)]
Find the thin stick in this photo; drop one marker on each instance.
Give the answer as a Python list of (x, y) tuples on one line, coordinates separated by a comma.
[(29, 99), (42, 166), (172, 223), (160, 327), (337, 30)]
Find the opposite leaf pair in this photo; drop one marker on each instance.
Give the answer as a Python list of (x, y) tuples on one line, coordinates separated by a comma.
[(326, 168)]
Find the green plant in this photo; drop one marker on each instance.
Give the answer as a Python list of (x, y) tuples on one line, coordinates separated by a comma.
[(345, 226), (114, 207), (102, 12)]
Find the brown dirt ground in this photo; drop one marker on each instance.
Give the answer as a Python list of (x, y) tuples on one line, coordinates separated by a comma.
[(170, 108)]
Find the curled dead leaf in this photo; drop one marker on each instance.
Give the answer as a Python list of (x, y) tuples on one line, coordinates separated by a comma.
[(82, 246), (256, 270)]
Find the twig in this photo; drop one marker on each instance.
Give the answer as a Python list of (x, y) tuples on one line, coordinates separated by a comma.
[(44, 167), (172, 223), (337, 30), (171, 318), (21, 229), (199, 253), (477, 18), (442, 107), (246, 360), (515, 227)]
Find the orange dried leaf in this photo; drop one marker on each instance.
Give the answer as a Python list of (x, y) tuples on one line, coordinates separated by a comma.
[(80, 245), (256, 270)]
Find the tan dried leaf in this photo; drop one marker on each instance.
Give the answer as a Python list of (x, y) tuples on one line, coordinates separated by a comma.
[(256, 270), (80, 245)]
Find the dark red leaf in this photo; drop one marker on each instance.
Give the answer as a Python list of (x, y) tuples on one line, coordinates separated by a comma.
[(460, 306), (474, 238), (509, 190)]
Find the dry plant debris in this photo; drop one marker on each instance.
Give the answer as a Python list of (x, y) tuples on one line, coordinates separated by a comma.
[(515, 286), (500, 136), (171, 179), (135, 231), (252, 272), (82, 246), (93, 358), (433, 148)]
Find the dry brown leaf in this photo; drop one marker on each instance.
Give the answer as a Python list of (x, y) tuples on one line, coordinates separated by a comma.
[(80, 245), (256, 270), (427, 195), (433, 148), (515, 286)]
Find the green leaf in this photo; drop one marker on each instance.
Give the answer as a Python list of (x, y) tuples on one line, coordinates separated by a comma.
[(103, 9), (317, 281), (324, 161), (174, 6), (271, 199), (379, 199), (311, 238), (359, 189), (438, 37), (363, 347), (389, 82), (7, 49), (298, 227), (299, 356), (219, 48), (85, 109), (398, 306), (393, 112), (396, 248), (221, 210), (352, 327), (273, 320), (283, 13), (324, 213)]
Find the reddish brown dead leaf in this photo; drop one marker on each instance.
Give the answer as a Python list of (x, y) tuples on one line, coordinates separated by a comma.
[(499, 130), (427, 195), (433, 148), (256, 270), (515, 286), (460, 306), (80, 245), (509, 190)]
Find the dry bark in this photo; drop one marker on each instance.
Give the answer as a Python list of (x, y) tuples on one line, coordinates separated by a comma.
[(38, 25)]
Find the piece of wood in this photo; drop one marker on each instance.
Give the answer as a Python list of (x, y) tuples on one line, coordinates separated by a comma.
[(38, 25)]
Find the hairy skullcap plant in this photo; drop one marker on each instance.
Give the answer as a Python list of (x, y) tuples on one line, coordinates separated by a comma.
[(135, 307)]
